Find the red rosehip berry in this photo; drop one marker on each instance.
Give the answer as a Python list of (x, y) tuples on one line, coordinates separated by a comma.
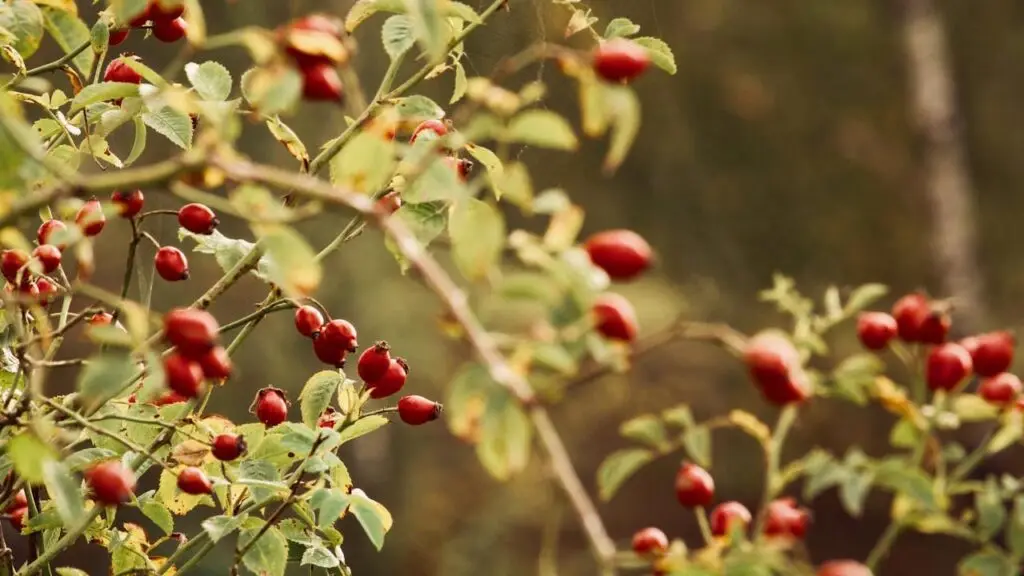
[(228, 447), (991, 353), (140, 19), (118, 36), (1001, 389), (374, 362), (90, 218), (191, 330), (416, 410), (391, 382), (192, 480), (308, 320), (461, 166), (270, 406), (390, 202), (111, 483), (184, 376), (29, 289), (783, 518), (17, 517), (20, 501), (320, 82), (48, 257), (947, 365), (843, 568), (875, 329), (129, 204), (620, 60), (171, 397), (163, 11), (910, 313), (650, 542), (935, 327), (306, 56), (622, 254), (197, 218), (727, 515), (614, 317), (216, 364), (694, 486), (329, 419), (774, 364), (329, 351), (46, 231), (433, 125), (101, 319), (11, 264), (171, 264), (340, 333), (118, 71), (47, 290), (169, 31)]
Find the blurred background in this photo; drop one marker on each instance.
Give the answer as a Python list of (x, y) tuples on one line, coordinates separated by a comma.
[(838, 142)]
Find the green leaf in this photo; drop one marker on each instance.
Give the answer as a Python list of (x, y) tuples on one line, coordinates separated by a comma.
[(438, 181), (291, 261), (317, 555), (864, 296), (855, 376), (904, 434), (679, 415), (398, 35), (477, 232), (660, 53), (822, 475), (99, 37), (912, 482), (139, 144), (1009, 433), (65, 492), (986, 563), (622, 108), (460, 10), (362, 427), (505, 434), (697, 441), (365, 164), (210, 79), (491, 163), (268, 556), (461, 83), (102, 92), (29, 454), (317, 394), (620, 28), (104, 376), (618, 467), (71, 572), (69, 32), (227, 251), (24, 20), (853, 490), (125, 10), (1015, 528), (272, 90), (991, 512), (417, 107), (647, 429), (174, 125), (374, 517), (542, 128), (329, 504), (159, 514), (259, 472), (973, 408), (431, 30), (286, 136), (363, 9), (217, 527)]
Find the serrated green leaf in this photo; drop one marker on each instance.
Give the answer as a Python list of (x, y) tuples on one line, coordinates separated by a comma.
[(29, 454), (217, 527), (660, 53), (477, 232), (431, 30), (268, 556), (363, 9), (362, 427), (864, 296), (329, 504), (620, 28), (365, 164), (272, 90), (291, 261), (211, 80), (24, 20), (139, 144), (417, 107), (986, 563), (105, 376), (853, 490), (102, 92), (461, 83), (259, 473), (372, 515), (174, 125), (65, 492), (227, 251), (439, 181), (542, 128), (647, 429), (991, 512), (158, 514), (618, 467), (397, 35), (973, 408), (911, 482), (69, 32), (317, 394), (697, 441), (1015, 527), (317, 555)]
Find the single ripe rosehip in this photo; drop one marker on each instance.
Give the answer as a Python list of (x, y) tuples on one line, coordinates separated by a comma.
[(340, 333), (308, 320), (783, 518), (1001, 389), (129, 204), (328, 351), (416, 410), (390, 202), (11, 264), (694, 486), (391, 382), (17, 517), (947, 366), (184, 376), (433, 125), (843, 568), (118, 71), (110, 482), (329, 418), (875, 329), (118, 35), (169, 31), (20, 501), (614, 317), (197, 218), (90, 218), (650, 542), (165, 10), (622, 254), (191, 330), (228, 446), (374, 362), (774, 365), (910, 313), (48, 257), (270, 406), (620, 60), (728, 515), (216, 364), (935, 327), (320, 82), (48, 290), (101, 319), (46, 231), (192, 480), (991, 353), (171, 264)]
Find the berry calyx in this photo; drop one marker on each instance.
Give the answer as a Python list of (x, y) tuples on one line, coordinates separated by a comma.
[(727, 516), (433, 125), (374, 362), (191, 330), (197, 218), (783, 518), (392, 381), (46, 231), (184, 376), (340, 333), (650, 542), (192, 480), (171, 264), (216, 364), (118, 71), (417, 410), (228, 447), (390, 202), (170, 30), (622, 254), (694, 486), (620, 60), (270, 406), (90, 218), (947, 365), (118, 36), (614, 317), (11, 264), (321, 83), (991, 353), (129, 204), (110, 482), (328, 351), (910, 313), (876, 329), (843, 568), (308, 320), (48, 257), (1001, 389)]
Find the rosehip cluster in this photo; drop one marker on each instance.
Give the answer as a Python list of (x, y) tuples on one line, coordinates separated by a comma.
[(17, 510), (315, 44), (165, 18), (623, 255), (171, 263), (197, 355)]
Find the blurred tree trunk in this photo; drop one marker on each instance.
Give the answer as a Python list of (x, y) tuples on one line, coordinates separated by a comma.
[(947, 182)]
